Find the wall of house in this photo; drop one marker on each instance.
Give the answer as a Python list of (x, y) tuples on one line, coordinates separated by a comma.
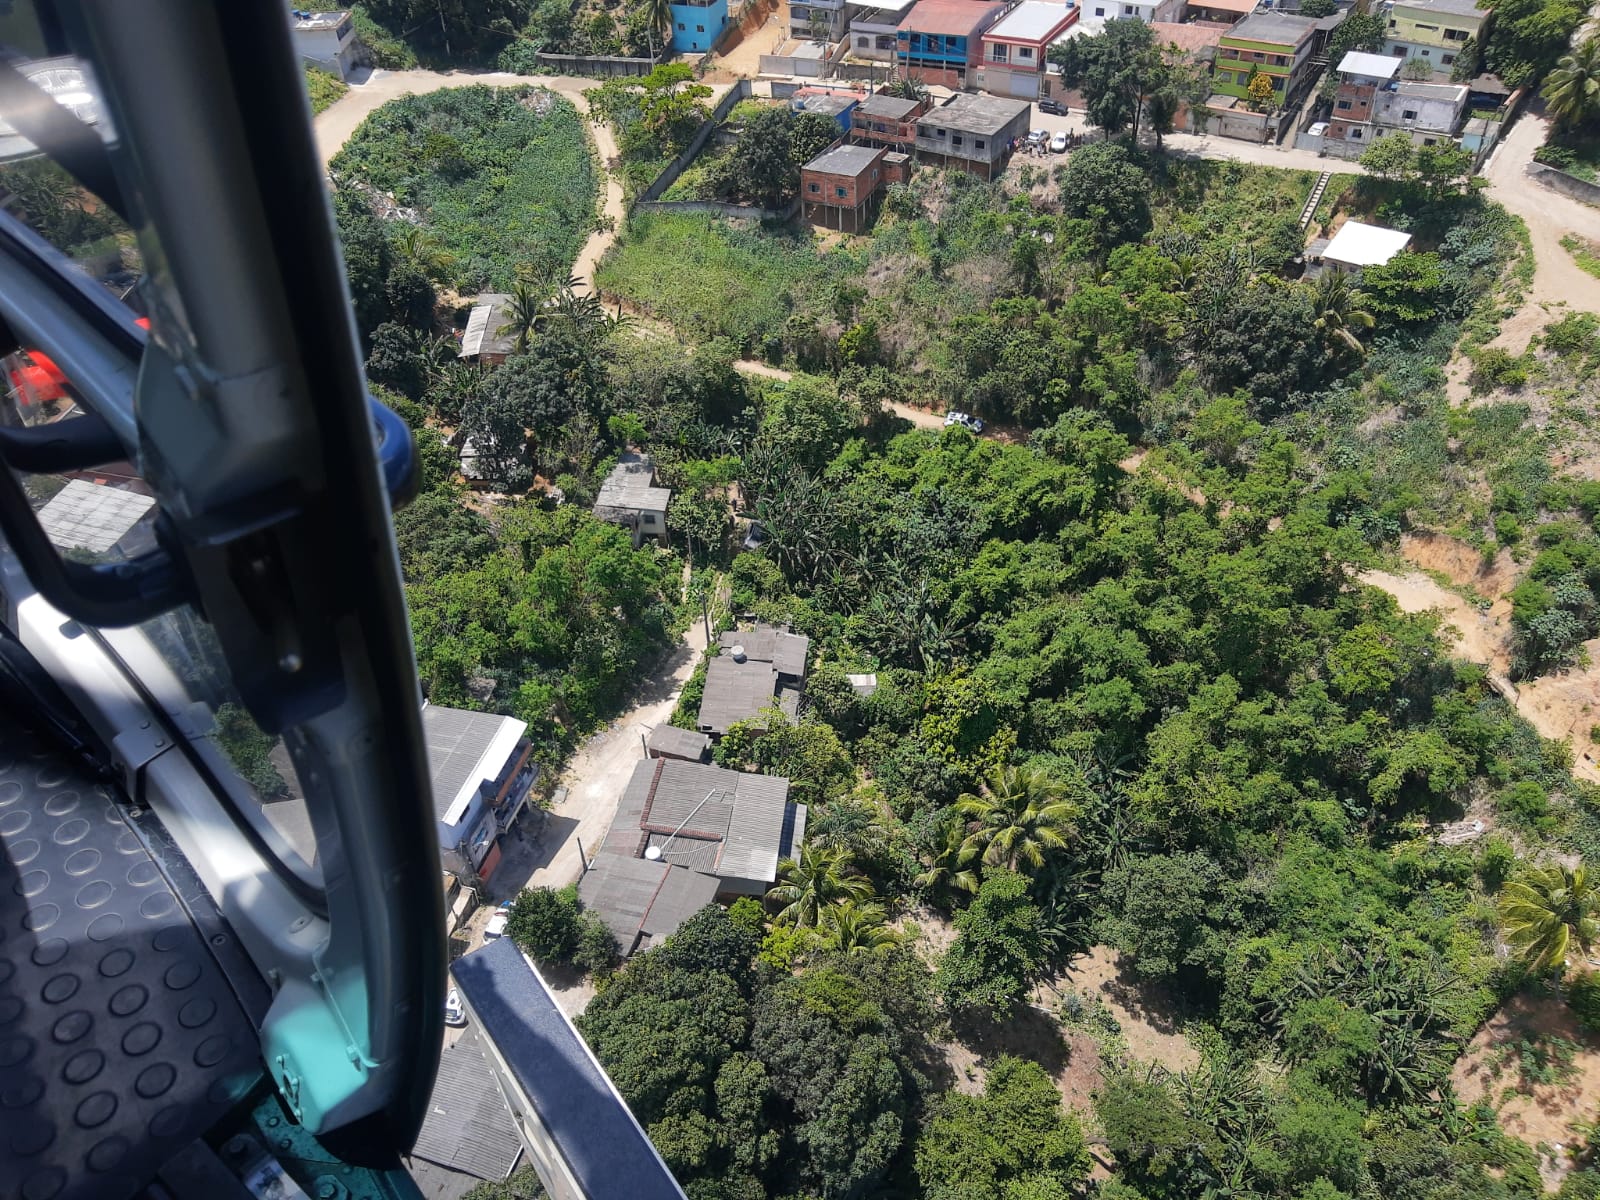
[(695, 26), (840, 191), (333, 49), (1436, 116), (880, 132), (838, 13), (1016, 83), (873, 40), (1353, 102), (1421, 28)]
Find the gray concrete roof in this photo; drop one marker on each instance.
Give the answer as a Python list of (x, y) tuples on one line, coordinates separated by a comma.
[(845, 160), (631, 486), (635, 896), (767, 643), (467, 1126), (969, 113), (694, 854), (1032, 20), (1277, 28), (829, 105), (890, 108), (1456, 8), (684, 743)]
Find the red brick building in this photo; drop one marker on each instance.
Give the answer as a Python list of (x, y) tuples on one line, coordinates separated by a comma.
[(882, 120), (839, 188)]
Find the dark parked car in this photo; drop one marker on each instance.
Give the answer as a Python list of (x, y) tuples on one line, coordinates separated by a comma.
[(1053, 106)]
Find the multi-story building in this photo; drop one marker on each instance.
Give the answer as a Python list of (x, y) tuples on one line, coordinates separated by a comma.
[(975, 133), (1433, 30), (874, 27), (482, 773), (697, 23), (939, 41), (829, 102), (884, 120), (630, 497), (827, 20), (839, 188), (327, 39), (1429, 112), (1013, 49), (1277, 45), (1361, 75)]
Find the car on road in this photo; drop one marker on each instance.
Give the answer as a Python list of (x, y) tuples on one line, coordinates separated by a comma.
[(1038, 137), (965, 420), (1058, 144), (455, 1013), (1053, 106)]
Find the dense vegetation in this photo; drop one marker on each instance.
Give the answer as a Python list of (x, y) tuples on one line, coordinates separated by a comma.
[(501, 178), (323, 87)]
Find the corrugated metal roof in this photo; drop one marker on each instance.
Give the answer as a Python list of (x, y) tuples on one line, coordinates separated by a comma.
[(631, 486), (459, 745), (683, 893), (551, 1067), (1358, 244), (620, 890), (1359, 62), (486, 323), (735, 691), (949, 18), (756, 830), (468, 1126), (692, 798), (1031, 21), (696, 854), (767, 643)]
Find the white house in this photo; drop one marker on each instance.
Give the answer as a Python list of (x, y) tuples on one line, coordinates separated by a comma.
[(872, 30), (1429, 112), (327, 39), (1355, 246), (629, 497)]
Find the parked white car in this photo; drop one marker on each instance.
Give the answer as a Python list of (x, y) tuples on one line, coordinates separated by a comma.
[(965, 420), (496, 926), (1058, 144), (1038, 137), (455, 1012)]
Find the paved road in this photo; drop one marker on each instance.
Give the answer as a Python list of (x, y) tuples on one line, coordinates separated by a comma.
[(336, 123)]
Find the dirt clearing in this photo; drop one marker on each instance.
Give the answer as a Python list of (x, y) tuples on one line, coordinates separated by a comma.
[(1541, 1071)]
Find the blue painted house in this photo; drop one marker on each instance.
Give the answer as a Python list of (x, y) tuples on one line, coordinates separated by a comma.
[(945, 35), (696, 25)]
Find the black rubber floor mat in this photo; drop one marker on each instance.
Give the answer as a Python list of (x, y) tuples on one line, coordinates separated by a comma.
[(120, 1039)]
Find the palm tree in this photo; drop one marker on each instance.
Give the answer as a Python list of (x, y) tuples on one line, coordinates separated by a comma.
[(1572, 89), (819, 879), (946, 868), (524, 312), (856, 929), (658, 22), (1019, 815), (1548, 912), (424, 249), (1339, 311)]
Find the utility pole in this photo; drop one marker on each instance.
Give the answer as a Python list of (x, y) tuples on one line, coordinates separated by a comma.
[(583, 860), (705, 615)]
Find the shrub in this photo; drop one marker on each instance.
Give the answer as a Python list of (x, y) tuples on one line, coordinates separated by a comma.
[(1572, 334), (1526, 801), (1583, 998), (1495, 368), (544, 923), (1495, 863), (596, 949)]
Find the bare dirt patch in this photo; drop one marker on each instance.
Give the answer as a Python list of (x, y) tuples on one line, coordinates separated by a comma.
[(1568, 706), (1479, 637), (1461, 563), (1537, 1113), (1149, 1029)]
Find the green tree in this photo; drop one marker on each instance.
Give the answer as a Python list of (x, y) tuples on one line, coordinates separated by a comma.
[(999, 951), (1167, 914), (658, 22), (1406, 289), (1548, 913), (1014, 1134), (1390, 157), (1019, 815), (523, 1185), (820, 878), (1572, 90), (1102, 184), (1116, 70), (1528, 37), (544, 924)]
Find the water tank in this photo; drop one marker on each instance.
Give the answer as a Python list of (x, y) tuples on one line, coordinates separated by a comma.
[(738, 654)]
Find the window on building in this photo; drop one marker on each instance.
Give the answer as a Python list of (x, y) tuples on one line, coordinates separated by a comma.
[(699, 28), (1343, 105), (1243, 76), (1430, 141), (1426, 52), (1279, 60), (956, 139), (1448, 59), (649, 518), (680, 26), (1024, 51), (1100, 12), (978, 143), (814, 187), (1127, 10), (862, 43), (1429, 28), (1356, 133), (1391, 22), (997, 53), (1409, 114), (839, 192), (1455, 35)]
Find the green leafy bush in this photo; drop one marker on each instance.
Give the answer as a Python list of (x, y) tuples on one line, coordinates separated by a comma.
[(1583, 998), (1494, 369)]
